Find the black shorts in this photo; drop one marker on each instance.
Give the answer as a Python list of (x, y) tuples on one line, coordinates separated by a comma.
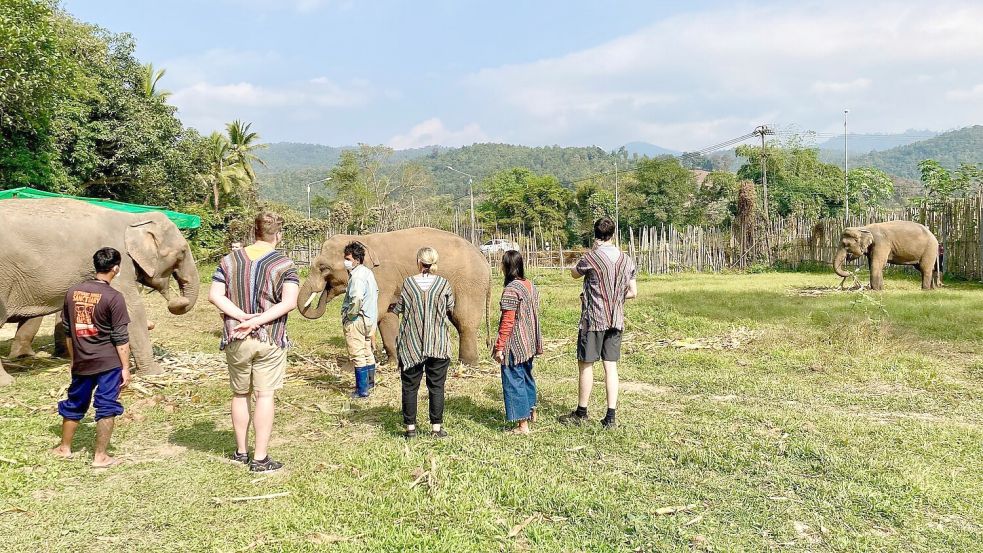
[(593, 346)]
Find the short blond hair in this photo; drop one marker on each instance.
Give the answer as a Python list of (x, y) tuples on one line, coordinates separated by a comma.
[(428, 256), (267, 225)]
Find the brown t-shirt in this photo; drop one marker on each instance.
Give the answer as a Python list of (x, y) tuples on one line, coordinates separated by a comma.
[(95, 318)]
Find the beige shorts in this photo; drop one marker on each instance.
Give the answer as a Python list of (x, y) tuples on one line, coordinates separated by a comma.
[(255, 366), (358, 338)]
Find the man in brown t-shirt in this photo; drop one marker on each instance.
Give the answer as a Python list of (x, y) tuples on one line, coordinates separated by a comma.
[(95, 320)]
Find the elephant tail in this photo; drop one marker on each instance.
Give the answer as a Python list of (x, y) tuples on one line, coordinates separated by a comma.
[(488, 336)]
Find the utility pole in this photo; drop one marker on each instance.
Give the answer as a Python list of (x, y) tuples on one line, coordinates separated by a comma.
[(764, 130), (846, 169), (617, 218), (308, 185), (470, 193)]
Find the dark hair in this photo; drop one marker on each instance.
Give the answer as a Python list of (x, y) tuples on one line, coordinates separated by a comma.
[(267, 225), (512, 266), (105, 259), (604, 229), (356, 250)]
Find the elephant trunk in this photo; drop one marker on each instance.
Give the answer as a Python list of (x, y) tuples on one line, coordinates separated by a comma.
[(838, 263), (313, 285), (189, 283)]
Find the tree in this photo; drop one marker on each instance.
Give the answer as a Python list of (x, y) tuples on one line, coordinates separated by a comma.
[(224, 173), (592, 202), (869, 187), (798, 182), (519, 200), (936, 179), (150, 78), (243, 144), (969, 178), (663, 191)]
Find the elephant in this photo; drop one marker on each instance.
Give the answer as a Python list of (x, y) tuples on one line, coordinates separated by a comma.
[(392, 258), (894, 242), (46, 247)]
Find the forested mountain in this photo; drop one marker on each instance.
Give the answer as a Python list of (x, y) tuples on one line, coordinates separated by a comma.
[(950, 149), (647, 149), (290, 165), (875, 142)]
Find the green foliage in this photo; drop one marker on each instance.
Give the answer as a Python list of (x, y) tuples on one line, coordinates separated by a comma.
[(936, 179), (869, 187), (592, 202), (662, 194), (798, 182), (519, 200)]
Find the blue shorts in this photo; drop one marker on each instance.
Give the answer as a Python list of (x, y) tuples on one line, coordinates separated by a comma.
[(106, 386)]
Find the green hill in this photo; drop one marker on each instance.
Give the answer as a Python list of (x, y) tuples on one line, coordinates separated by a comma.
[(950, 149)]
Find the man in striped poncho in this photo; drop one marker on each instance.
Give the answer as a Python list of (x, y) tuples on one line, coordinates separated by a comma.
[(255, 288), (609, 280)]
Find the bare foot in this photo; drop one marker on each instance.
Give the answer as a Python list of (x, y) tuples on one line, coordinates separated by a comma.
[(104, 462), (62, 451)]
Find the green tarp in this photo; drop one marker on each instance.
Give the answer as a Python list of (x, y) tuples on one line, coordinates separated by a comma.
[(182, 220)]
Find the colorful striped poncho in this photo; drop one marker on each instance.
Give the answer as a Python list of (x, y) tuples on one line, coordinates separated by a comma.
[(423, 330), (605, 288), (526, 339), (255, 286)]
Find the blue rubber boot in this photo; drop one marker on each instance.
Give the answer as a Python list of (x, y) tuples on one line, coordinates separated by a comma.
[(361, 382), (371, 375)]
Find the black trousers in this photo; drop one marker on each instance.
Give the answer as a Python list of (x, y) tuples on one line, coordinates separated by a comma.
[(436, 371)]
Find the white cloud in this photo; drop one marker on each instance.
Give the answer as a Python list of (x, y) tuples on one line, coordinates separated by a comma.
[(433, 132), (704, 76), (961, 95), (208, 106)]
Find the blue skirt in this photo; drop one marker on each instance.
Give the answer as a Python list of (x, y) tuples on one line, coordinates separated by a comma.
[(518, 390)]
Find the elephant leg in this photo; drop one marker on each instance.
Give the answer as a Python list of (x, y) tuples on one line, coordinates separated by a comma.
[(140, 345), (877, 273), (26, 331), (388, 329), (468, 341), (61, 350), (5, 379)]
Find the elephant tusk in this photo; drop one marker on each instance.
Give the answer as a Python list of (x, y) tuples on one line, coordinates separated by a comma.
[(310, 300)]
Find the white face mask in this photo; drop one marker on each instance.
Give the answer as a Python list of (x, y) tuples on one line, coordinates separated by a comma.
[(349, 265)]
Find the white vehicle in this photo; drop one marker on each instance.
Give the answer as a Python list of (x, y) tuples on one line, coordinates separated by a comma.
[(497, 245)]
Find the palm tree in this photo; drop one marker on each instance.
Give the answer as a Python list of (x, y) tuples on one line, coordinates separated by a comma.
[(224, 173), (243, 145), (149, 79)]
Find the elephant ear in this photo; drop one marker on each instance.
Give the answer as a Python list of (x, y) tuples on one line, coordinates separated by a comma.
[(143, 244), (866, 239), (371, 259)]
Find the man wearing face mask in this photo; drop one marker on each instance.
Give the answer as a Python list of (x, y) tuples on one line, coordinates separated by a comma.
[(359, 315)]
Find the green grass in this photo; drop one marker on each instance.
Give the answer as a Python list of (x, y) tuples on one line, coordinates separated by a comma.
[(850, 422)]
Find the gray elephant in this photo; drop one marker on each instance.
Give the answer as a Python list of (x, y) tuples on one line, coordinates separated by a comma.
[(894, 242), (392, 257), (46, 247)]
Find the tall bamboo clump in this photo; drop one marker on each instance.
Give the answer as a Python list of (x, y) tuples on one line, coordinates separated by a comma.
[(746, 221)]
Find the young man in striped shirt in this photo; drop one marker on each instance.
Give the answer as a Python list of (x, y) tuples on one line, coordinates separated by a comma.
[(609, 280), (255, 288)]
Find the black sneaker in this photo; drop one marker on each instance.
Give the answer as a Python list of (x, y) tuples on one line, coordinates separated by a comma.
[(439, 434), (266, 465), (573, 419), (240, 457), (609, 424), (409, 434)]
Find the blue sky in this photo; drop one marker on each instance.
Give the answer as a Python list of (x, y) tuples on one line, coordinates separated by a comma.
[(682, 75)]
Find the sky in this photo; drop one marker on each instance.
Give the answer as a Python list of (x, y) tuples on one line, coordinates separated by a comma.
[(682, 75)]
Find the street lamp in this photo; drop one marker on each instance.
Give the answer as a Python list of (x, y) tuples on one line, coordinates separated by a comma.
[(846, 168), (470, 193), (308, 185)]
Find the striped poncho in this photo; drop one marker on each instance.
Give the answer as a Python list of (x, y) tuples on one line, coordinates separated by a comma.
[(605, 287), (255, 286), (423, 330), (526, 338)]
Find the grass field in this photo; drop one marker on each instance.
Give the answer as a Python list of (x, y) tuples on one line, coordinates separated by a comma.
[(779, 421)]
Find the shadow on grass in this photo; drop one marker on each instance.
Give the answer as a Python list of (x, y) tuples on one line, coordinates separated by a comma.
[(464, 407), (388, 418), (85, 435), (27, 366), (545, 407), (203, 436)]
